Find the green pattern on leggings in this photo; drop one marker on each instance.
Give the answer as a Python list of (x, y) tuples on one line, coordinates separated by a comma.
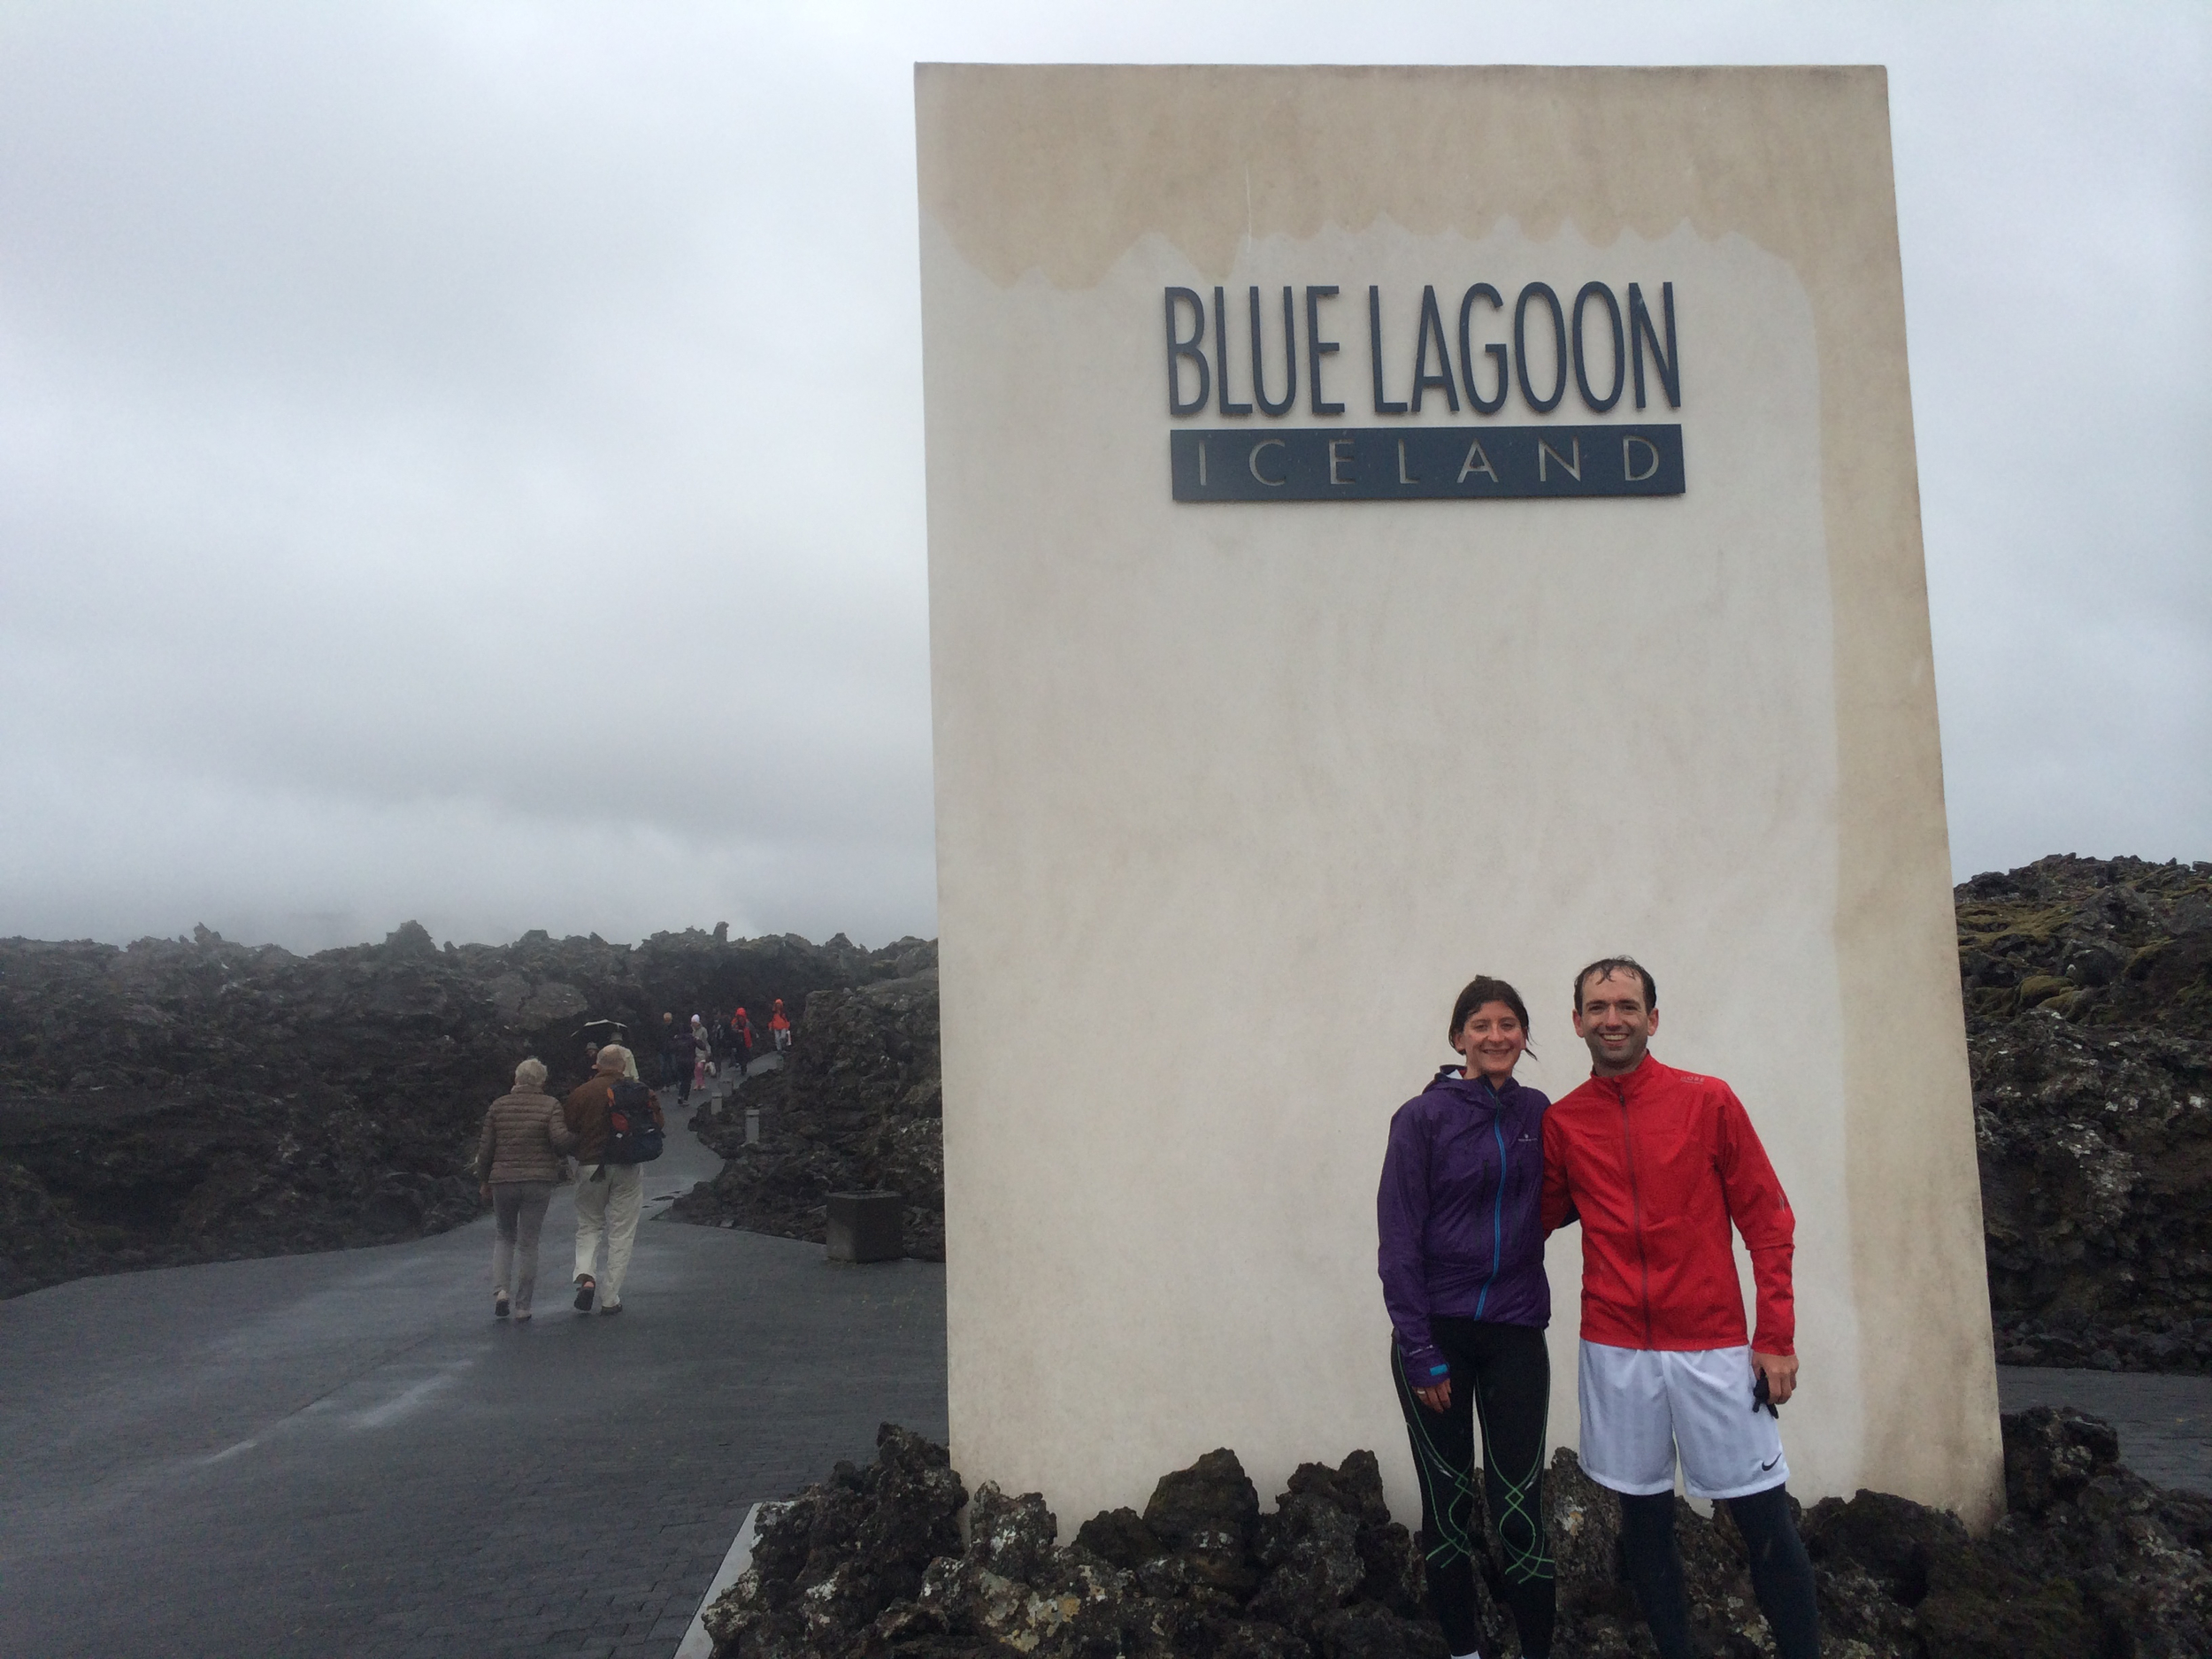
[(1526, 1557), (1523, 1500), (1453, 1541)]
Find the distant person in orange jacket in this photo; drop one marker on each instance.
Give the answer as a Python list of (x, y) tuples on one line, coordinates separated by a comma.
[(780, 1028)]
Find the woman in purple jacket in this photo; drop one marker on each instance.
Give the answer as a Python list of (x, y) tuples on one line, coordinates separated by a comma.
[(1462, 1272)]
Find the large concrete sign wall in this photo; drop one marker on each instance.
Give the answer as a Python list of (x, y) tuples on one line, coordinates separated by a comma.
[(1572, 603)]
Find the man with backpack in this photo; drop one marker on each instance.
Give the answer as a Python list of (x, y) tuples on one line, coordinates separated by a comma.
[(618, 1126)]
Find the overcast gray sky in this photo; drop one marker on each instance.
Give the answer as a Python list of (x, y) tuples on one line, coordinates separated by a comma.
[(409, 501)]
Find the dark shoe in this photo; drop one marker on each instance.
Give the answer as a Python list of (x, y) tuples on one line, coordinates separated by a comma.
[(612, 1307), (499, 1307), (585, 1286)]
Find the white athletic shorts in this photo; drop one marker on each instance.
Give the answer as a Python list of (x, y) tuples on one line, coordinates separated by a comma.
[(1641, 1406)]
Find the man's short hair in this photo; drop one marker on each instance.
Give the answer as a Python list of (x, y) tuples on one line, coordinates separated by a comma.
[(1605, 965), (530, 1074), (614, 1057)]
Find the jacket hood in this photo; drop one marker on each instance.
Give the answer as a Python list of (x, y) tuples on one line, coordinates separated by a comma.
[(1474, 1090)]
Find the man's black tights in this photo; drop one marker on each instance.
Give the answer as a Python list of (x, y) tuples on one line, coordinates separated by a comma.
[(1781, 1574)]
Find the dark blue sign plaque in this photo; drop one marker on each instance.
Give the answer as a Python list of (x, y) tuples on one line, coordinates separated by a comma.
[(1423, 463)]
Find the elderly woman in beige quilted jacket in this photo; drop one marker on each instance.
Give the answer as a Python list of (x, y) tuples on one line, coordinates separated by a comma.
[(518, 1159)]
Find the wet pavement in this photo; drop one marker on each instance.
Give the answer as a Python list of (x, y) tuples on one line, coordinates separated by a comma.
[(344, 1454)]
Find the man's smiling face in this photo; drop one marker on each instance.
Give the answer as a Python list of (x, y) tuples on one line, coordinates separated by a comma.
[(1616, 1019)]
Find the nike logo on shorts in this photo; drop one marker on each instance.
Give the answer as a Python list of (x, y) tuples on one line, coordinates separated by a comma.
[(1769, 1463)]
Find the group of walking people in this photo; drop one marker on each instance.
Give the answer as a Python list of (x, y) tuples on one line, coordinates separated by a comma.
[(523, 1154), (1655, 1165), (690, 1054)]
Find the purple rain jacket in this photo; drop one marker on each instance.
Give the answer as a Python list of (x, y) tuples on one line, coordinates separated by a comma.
[(1458, 1214)]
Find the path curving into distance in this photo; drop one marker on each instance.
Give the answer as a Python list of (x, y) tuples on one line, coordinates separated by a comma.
[(345, 1455)]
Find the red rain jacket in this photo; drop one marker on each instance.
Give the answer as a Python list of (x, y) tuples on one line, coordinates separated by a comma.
[(1657, 1164)]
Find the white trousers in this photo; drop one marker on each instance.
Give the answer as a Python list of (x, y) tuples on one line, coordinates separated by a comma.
[(607, 1210), (1641, 1406)]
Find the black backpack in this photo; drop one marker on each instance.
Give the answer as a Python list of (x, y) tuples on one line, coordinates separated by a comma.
[(633, 1130)]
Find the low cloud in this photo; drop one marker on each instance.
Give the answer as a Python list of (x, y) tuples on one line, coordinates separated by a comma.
[(466, 463)]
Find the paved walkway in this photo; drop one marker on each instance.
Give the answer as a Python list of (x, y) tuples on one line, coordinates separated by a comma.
[(344, 1454), (2164, 1422)]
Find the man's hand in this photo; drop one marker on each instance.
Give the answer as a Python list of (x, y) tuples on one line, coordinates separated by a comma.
[(1780, 1371), (485, 1189), (1437, 1397)]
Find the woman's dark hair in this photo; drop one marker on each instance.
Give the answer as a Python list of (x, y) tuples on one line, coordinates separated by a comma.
[(1481, 989)]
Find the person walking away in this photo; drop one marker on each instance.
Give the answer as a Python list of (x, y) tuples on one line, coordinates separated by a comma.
[(609, 1196), (1657, 1164), (518, 1161), (677, 1054), (741, 1042), (1461, 1259), (779, 1028)]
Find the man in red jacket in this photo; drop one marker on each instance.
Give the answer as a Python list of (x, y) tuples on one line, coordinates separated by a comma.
[(1657, 1165)]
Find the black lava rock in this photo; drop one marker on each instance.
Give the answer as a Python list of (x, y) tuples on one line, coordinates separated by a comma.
[(828, 1563), (1207, 1516), (1120, 1538), (2090, 1562), (2088, 994)]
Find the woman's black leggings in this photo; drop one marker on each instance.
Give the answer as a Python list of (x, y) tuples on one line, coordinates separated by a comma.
[(1500, 1374), (1781, 1574)]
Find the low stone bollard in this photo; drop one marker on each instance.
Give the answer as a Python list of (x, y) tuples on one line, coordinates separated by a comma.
[(867, 1226), (752, 1125)]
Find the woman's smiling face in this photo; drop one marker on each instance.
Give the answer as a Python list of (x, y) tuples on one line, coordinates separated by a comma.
[(1492, 1039)]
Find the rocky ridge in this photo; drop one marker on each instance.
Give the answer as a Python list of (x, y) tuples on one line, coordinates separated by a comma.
[(195, 1100), (2087, 986), (2088, 1560), (857, 1106)]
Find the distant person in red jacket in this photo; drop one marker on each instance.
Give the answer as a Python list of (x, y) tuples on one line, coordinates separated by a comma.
[(779, 1028), (741, 1041), (1657, 1164)]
